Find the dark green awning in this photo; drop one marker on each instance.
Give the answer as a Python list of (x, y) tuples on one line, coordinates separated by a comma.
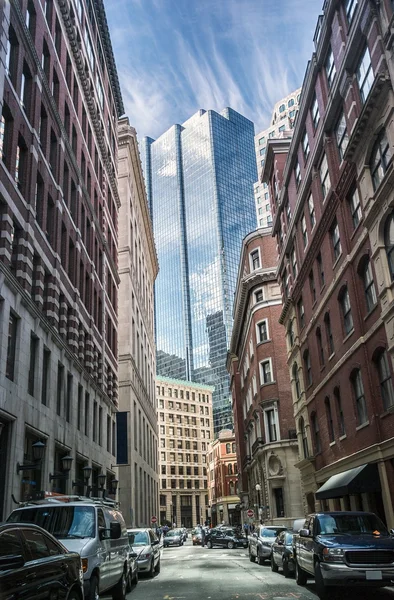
[(354, 481)]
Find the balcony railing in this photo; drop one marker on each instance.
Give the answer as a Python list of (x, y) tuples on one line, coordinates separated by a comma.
[(259, 443)]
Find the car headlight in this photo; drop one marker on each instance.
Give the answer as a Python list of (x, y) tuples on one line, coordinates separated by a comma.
[(333, 554), (266, 544)]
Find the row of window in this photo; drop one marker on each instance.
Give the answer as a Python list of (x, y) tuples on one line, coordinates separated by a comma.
[(180, 419), (183, 432), (183, 458), (181, 484), (173, 393), (180, 444), (170, 404), (181, 470)]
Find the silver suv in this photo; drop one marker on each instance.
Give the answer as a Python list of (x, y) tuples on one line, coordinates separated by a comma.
[(148, 548), (260, 542)]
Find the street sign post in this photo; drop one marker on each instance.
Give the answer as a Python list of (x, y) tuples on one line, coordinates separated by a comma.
[(154, 520), (250, 513)]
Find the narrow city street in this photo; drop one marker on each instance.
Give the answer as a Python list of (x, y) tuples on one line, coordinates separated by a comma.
[(195, 573)]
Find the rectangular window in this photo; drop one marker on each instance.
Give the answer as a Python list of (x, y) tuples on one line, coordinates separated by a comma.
[(330, 68), (32, 364), (320, 270), (305, 146), (293, 259), (355, 208), (259, 295), (11, 346), (312, 286), (297, 173), (266, 371), (341, 136), (271, 425), (336, 240), (311, 208), (279, 502), (315, 113), (262, 331), (301, 313), (350, 8), (87, 413), (79, 408), (69, 397), (347, 312), (304, 231), (365, 76), (324, 177), (59, 389), (46, 362), (358, 387), (254, 260)]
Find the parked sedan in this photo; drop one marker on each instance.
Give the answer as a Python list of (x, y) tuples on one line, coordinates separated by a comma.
[(260, 542), (174, 537), (33, 564), (282, 554), (148, 549), (227, 538)]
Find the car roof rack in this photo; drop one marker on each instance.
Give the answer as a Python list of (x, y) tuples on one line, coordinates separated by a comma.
[(56, 498)]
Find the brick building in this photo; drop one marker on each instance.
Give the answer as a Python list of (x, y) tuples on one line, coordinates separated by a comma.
[(185, 431), (267, 448), (59, 201), (332, 202), (224, 505)]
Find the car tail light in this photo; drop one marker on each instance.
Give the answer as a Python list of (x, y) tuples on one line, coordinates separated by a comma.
[(85, 563)]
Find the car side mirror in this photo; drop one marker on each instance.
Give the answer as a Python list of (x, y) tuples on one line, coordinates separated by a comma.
[(133, 554), (280, 543), (15, 561), (115, 530), (131, 538), (155, 542), (305, 533), (391, 531)]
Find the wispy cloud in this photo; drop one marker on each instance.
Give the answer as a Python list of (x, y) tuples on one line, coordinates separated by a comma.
[(176, 56)]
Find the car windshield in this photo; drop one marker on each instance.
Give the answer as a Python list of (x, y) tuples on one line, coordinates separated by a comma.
[(141, 538), (61, 521), (355, 524), (288, 539), (196, 532), (270, 533), (173, 534)]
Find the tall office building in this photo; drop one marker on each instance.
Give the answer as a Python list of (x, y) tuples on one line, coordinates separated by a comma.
[(200, 179)]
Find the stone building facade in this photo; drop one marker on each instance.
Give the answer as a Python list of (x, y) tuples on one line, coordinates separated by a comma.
[(333, 222), (267, 448), (138, 267), (59, 201), (185, 431)]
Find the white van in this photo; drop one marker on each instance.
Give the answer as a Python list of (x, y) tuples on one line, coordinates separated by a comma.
[(93, 528)]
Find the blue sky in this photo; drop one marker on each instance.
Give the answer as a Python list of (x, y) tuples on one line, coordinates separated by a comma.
[(176, 56)]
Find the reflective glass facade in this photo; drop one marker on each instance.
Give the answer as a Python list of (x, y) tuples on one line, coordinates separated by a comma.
[(200, 179)]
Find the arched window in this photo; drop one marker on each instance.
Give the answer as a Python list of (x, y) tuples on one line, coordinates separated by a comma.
[(389, 242), (230, 469), (316, 432), (380, 158), (307, 367), (296, 378), (385, 379), (340, 415), (359, 396), (290, 102), (228, 448), (330, 424), (282, 108), (344, 301), (305, 449)]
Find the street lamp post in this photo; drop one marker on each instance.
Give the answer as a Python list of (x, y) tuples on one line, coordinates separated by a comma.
[(258, 490)]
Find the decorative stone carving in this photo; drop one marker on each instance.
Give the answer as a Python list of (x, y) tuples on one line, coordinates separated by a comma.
[(275, 467)]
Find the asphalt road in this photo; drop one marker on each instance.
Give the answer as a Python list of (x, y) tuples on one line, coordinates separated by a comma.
[(195, 573)]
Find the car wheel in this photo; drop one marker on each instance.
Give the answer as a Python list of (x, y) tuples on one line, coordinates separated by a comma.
[(251, 557), (119, 590), (274, 566), (321, 588), (260, 559), (230, 545), (286, 570), (73, 595), (301, 575), (93, 589), (152, 568), (209, 544)]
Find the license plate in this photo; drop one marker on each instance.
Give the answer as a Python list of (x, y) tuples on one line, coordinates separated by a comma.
[(373, 575)]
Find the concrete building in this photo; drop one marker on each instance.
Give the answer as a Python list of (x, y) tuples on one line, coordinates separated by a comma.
[(223, 480), (332, 190), (185, 431), (281, 125), (59, 201), (200, 179), (265, 433), (138, 267)]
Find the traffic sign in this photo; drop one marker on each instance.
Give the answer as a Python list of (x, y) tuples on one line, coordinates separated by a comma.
[(154, 520), (250, 513)]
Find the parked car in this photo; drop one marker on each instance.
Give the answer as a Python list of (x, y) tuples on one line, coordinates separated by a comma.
[(227, 538), (260, 542), (148, 549), (33, 564), (197, 537), (282, 553), (174, 537), (133, 567), (344, 549), (94, 529)]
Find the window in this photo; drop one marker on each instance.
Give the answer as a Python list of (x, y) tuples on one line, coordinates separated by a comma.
[(330, 68), (316, 433), (385, 380), (329, 336), (315, 113), (266, 371), (282, 128), (46, 361), (312, 286), (293, 259), (380, 159), (297, 173), (290, 102), (365, 75), (301, 313), (304, 438), (11, 346), (32, 364), (320, 267), (296, 377), (307, 367), (282, 108), (350, 8), (341, 136), (340, 415), (5, 135), (290, 334), (389, 242), (262, 331), (324, 177), (355, 208), (369, 286), (346, 311), (262, 151), (320, 348), (228, 448), (304, 231), (259, 295), (261, 141), (254, 260), (336, 240), (279, 502), (311, 208), (271, 427), (358, 390), (330, 424)]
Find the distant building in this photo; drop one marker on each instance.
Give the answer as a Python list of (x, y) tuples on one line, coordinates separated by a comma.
[(223, 480), (265, 433), (333, 220), (282, 124), (60, 102), (199, 178), (138, 267), (184, 411)]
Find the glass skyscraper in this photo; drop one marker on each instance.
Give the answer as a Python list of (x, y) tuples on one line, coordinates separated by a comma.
[(199, 179)]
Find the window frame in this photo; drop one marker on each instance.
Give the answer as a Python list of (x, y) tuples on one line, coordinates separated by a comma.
[(371, 299), (336, 240), (252, 259), (355, 208), (359, 397), (305, 146), (304, 231), (263, 373), (341, 135), (379, 169), (315, 113), (329, 67), (346, 309), (258, 331), (363, 78), (385, 377), (324, 177)]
